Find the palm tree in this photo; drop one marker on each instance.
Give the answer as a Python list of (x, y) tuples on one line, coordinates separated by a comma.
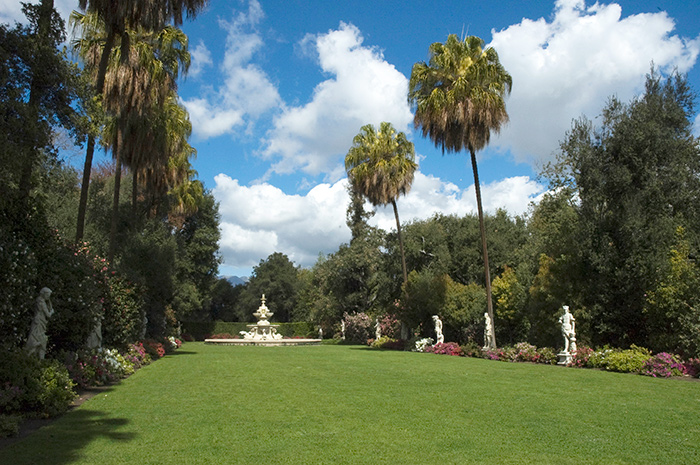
[(380, 165), (139, 84), (118, 17), (459, 100)]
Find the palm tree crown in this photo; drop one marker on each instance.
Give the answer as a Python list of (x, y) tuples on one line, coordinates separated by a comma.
[(459, 94), (381, 163)]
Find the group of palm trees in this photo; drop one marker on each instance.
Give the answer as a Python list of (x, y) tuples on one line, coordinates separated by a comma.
[(134, 53), (458, 97)]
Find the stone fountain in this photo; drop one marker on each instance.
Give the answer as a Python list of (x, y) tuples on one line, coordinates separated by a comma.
[(263, 333)]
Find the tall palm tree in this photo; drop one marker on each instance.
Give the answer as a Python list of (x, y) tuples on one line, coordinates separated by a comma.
[(117, 17), (459, 100), (139, 83), (380, 165)]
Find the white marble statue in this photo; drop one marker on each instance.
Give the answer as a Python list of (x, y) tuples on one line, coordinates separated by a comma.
[(342, 329), (568, 330), (320, 332), (36, 343), (438, 330), (377, 330), (488, 331), (95, 338)]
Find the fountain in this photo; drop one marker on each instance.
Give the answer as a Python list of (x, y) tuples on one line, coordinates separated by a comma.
[(263, 333)]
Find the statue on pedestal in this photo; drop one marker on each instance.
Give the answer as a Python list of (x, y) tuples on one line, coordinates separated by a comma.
[(568, 330), (342, 329), (438, 330), (377, 330), (36, 342), (488, 331)]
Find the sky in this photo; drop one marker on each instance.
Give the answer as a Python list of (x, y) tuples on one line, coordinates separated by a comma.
[(277, 89)]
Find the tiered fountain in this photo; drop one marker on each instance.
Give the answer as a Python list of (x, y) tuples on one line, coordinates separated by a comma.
[(263, 333)]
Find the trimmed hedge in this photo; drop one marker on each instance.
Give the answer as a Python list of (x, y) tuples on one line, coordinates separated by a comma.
[(201, 330)]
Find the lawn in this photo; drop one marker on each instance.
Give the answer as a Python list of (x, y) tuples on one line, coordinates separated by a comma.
[(347, 404)]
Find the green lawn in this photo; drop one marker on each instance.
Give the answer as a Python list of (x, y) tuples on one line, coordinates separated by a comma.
[(340, 404)]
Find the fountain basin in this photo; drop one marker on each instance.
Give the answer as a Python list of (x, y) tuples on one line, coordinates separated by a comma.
[(263, 342)]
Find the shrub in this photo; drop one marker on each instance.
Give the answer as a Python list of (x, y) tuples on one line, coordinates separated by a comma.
[(692, 367), (154, 348), (358, 327), (420, 345), (136, 354), (21, 387), (56, 393), (581, 357), (663, 365), (547, 355), (524, 352), (9, 425), (445, 348), (631, 360), (96, 367), (599, 358), (223, 336), (390, 326), (472, 349)]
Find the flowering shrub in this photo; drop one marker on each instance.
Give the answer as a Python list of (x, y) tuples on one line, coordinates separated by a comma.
[(390, 326), (387, 343), (524, 352), (96, 367), (136, 355), (521, 352), (358, 327), (663, 365), (56, 393), (422, 344), (599, 358), (445, 348), (692, 367), (154, 348), (547, 355), (581, 357)]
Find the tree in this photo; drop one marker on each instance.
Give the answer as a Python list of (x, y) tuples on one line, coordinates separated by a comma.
[(278, 278), (459, 100), (380, 165), (637, 178), (118, 17)]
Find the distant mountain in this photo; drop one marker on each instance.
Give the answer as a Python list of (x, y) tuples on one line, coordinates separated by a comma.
[(236, 280)]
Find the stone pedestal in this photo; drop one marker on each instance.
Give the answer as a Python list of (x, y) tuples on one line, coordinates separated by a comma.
[(565, 358)]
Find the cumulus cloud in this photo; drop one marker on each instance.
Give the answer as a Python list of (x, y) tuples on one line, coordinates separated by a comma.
[(200, 59), (363, 89), (261, 219), (569, 66), (245, 92), (11, 10)]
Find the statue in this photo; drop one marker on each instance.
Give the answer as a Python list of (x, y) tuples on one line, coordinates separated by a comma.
[(95, 338), (438, 330), (320, 332), (568, 330), (36, 342), (342, 329), (488, 331), (377, 330)]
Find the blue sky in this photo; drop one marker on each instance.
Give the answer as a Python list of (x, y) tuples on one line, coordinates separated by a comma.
[(277, 89)]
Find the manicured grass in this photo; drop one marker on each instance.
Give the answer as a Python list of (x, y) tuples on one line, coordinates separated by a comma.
[(340, 404)]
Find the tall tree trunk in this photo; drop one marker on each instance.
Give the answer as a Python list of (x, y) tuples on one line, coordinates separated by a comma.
[(36, 89), (487, 273), (115, 204), (403, 254), (134, 191), (89, 153)]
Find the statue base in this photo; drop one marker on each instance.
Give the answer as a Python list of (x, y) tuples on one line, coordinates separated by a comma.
[(565, 358)]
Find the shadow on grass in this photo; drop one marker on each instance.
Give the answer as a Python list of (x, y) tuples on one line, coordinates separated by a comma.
[(182, 352), (62, 441)]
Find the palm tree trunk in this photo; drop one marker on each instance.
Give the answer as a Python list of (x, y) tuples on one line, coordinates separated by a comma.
[(403, 255), (487, 273), (90, 151), (115, 205)]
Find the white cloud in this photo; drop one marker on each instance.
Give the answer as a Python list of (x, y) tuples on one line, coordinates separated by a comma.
[(11, 10), (201, 58), (246, 91), (363, 89), (570, 65), (261, 219)]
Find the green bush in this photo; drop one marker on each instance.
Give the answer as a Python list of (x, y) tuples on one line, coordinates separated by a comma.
[(9, 425), (628, 361), (56, 393)]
